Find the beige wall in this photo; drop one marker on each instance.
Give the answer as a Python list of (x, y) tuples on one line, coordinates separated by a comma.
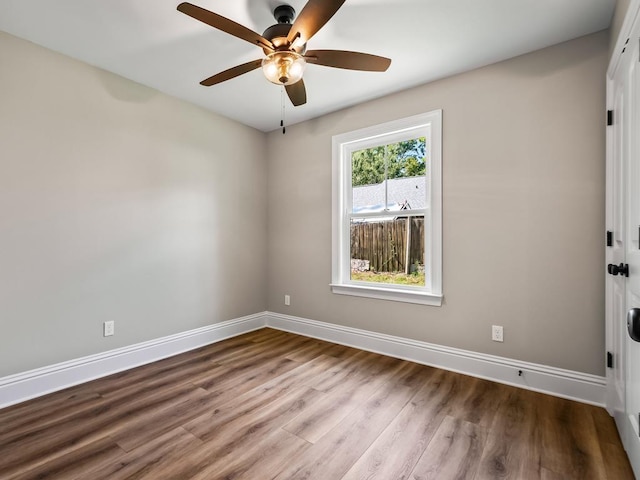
[(118, 203), (523, 163), (616, 23)]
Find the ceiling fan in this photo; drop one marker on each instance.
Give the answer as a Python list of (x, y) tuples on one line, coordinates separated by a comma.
[(285, 46)]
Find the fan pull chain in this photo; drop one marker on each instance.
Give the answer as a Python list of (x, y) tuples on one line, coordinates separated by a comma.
[(282, 112)]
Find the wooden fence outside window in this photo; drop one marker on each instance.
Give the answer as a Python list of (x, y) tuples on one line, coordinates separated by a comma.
[(386, 245)]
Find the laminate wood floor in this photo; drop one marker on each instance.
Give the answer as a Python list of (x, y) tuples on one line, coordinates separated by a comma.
[(273, 405)]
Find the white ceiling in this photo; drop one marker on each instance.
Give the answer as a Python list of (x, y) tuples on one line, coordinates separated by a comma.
[(150, 42)]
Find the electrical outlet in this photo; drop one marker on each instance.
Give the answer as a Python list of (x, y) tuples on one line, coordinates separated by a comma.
[(287, 300), (497, 333), (109, 328)]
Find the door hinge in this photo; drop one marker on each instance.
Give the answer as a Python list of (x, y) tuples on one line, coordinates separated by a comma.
[(609, 238), (609, 118), (609, 360)]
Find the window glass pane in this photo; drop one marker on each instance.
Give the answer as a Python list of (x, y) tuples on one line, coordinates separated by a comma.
[(388, 250), (406, 174), (367, 179), (391, 175)]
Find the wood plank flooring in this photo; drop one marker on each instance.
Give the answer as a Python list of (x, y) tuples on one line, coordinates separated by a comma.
[(273, 405)]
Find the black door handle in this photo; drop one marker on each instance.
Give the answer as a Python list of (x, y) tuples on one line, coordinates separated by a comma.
[(622, 269), (633, 323)]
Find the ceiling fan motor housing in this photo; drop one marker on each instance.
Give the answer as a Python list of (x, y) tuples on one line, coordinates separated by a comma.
[(284, 14), (277, 35)]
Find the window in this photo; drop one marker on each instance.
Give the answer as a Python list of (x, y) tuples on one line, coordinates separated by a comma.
[(387, 211)]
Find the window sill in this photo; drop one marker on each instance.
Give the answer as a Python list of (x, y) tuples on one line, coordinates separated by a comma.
[(391, 294)]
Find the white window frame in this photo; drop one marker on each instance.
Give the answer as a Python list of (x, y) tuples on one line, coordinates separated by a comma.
[(427, 125)]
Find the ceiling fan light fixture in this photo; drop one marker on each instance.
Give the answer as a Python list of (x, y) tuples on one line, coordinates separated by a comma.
[(284, 67), (285, 46)]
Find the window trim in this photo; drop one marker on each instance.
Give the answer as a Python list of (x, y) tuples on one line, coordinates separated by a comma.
[(346, 142)]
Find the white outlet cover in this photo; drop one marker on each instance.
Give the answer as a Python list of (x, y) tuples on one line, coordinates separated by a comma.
[(497, 333), (108, 328)]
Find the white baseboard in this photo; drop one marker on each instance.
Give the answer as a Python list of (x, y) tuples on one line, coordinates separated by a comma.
[(568, 384), (578, 386), (34, 383)]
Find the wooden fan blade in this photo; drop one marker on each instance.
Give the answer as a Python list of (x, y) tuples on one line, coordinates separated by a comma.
[(224, 24), (231, 73), (348, 60), (297, 93), (312, 18)]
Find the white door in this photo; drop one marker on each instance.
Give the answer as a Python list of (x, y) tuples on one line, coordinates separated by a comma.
[(623, 256), (632, 254)]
